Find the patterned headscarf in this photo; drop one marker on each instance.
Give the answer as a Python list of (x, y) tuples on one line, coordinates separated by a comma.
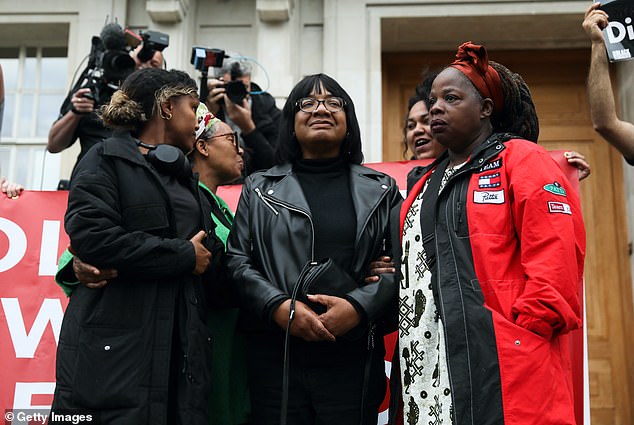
[(472, 60), (206, 122)]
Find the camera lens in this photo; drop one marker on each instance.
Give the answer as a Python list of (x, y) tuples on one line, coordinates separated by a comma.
[(117, 65), (236, 91)]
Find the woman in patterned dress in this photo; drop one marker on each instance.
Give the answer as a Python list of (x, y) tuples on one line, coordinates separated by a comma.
[(493, 249)]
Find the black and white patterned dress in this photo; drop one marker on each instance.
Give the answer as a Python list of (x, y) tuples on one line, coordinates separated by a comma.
[(425, 377)]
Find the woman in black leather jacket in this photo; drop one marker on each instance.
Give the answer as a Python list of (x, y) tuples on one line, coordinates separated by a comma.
[(318, 203)]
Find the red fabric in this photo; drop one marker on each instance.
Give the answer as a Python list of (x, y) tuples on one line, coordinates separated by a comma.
[(472, 60), (528, 259)]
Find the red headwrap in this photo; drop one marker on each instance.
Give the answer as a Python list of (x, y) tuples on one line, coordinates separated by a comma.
[(472, 61)]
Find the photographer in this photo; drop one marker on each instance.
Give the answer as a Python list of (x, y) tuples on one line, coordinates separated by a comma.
[(78, 118), (256, 118), (156, 61)]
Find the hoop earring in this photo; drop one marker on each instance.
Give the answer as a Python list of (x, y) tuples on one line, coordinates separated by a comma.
[(168, 117)]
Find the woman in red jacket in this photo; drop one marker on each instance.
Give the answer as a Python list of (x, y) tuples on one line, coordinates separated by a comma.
[(493, 248)]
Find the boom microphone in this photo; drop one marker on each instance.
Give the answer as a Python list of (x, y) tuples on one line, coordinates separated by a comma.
[(113, 37)]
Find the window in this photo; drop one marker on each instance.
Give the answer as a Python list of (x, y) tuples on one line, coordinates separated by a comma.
[(35, 87)]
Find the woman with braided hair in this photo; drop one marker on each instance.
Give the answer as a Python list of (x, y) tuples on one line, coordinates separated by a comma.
[(419, 143), (493, 248)]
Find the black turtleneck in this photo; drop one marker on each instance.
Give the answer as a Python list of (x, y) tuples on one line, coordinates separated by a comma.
[(326, 186)]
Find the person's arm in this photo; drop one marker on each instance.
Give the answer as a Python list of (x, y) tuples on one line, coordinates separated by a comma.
[(380, 265), (262, 141), (257, 294), (65, 276), (216, 95), (71, 271), (262, 154), (375, 298), (62, 132), (552, 242), (95, 226), (618, 133)]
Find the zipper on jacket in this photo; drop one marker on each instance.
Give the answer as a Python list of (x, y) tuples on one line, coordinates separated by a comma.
[(268, 201), (367, 220), (371, 337), (257, 190)]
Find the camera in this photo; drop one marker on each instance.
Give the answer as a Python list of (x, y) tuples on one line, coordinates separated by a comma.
[(236, 91), (203, 58), (109, 62), (153, 41)]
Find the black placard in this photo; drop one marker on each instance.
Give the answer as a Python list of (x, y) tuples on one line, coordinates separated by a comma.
[(619, 34)]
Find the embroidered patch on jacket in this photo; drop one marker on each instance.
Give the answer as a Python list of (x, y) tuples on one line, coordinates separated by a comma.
[(489, 180), (559, 208), (493, 165), (555, 188), (488, 197)]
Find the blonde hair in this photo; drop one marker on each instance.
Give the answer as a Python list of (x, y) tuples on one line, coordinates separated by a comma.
[(122, 112)]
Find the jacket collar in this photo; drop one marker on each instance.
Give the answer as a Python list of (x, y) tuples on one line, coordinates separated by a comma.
[(488, 150), (123, 145), (287, 168), (491, 147), (368, 187)]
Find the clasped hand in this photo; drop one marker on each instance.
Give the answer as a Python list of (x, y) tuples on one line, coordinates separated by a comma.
[(340, 317)]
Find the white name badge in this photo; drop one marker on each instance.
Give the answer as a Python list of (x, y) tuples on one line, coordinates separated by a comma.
[(488, 197)]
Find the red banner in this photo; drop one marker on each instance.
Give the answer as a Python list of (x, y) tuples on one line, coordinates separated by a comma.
[(32, 305)]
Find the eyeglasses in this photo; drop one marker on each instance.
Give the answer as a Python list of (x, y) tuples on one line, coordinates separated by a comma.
[(310, 104), (229, 137)]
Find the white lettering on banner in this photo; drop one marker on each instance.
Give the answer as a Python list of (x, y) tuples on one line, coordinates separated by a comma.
[(17, 244), (24, 393), (48, 249), (616, 31), (25, 343)]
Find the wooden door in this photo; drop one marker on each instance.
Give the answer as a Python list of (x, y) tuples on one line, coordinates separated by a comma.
[(557, 82)]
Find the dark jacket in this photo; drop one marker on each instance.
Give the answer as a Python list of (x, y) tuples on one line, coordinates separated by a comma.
[(272, 238), (116, 343), (260, 145)]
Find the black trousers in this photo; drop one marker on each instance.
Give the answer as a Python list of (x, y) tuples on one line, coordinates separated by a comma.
[(323, 389)]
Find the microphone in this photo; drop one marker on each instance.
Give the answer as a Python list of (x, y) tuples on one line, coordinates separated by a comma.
[(113, 37)]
